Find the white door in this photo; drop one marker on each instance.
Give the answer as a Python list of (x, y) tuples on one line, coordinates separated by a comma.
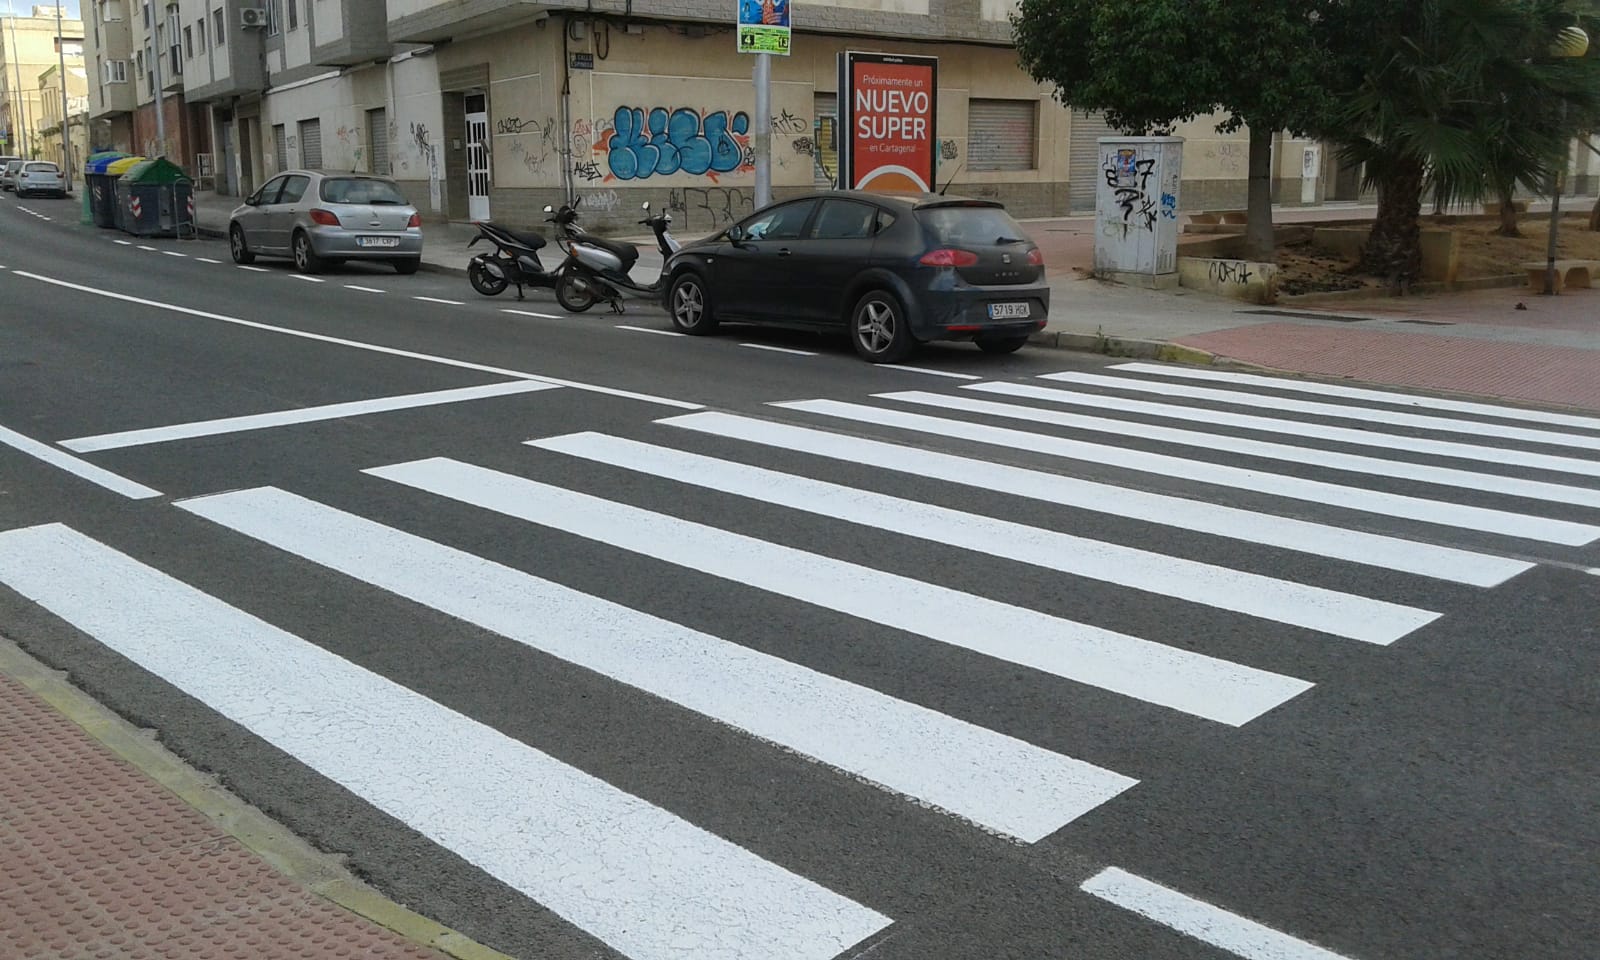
[(1310, 173), (477, 157)]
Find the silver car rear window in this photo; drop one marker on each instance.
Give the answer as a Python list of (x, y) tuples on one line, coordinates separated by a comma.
[(361, 190), (42, 168)]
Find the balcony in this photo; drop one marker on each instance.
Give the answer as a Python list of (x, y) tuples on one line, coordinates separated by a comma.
[(361, 35)]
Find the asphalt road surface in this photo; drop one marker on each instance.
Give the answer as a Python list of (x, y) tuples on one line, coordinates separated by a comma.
[(592, 641)]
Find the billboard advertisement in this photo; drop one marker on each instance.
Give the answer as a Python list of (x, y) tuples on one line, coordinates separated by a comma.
[(764, 26), (887, 107)]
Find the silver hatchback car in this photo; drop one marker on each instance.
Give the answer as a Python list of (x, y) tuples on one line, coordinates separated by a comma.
[(39, 176), (319, 218)]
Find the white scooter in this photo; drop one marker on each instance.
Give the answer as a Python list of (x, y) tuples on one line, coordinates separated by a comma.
[(597, 270)]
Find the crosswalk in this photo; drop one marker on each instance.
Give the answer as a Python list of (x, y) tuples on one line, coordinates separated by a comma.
[(981, 483)]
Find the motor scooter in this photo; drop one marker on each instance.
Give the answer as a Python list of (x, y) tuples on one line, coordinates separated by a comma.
[(597, 270), (515, 261)]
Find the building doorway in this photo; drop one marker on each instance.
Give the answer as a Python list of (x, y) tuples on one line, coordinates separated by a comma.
[(477, 118)]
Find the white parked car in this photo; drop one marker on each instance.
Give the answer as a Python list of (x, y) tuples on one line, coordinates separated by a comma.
[(9, 168), (39, 176)]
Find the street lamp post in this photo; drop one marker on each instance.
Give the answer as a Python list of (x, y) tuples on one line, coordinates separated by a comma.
[(19, 125), (1572, 42), (66, 138)]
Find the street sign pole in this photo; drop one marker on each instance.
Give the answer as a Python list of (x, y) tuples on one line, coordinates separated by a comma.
[(66, 137), (762, 138), (763, 30)]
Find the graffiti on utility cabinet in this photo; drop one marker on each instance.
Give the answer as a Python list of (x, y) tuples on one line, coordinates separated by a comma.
[(662, 142), (1129, 180)]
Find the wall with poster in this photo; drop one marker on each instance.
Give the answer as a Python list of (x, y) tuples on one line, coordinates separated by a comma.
[(888, 110)]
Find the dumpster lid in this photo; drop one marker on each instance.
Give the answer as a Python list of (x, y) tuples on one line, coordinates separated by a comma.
[(98, 162), (117, 167), (159, 170)]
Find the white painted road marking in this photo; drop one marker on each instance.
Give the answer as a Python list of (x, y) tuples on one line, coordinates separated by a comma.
[(1298, 428), (763, 346), (994, 780), (650, 885), (1310, 456), (659, 333), (332, 411), (301, 276), (1372, 396), (239, 265), (79, 468), (1287, 533), (530, 313), (1168, 676), (351, 286), (174, 253), (1201, 471), (143, 247), (1329, 611), (931, 372), (207, 260), (1200, 920), (125, 243), (1336, 411), (360, 345), (453, 303)]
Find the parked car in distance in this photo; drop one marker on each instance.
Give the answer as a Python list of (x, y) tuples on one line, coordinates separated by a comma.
[(39, 176), (8, 172), (322, 218), (893, 271)]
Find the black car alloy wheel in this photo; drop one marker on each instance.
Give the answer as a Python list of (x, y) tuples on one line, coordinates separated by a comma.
[(878, 328), (691, 305)]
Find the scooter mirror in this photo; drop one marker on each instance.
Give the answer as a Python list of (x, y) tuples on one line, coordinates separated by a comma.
[(647, 206), (549, 209)]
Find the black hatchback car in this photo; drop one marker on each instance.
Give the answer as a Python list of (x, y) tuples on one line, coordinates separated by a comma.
[(892, 270)]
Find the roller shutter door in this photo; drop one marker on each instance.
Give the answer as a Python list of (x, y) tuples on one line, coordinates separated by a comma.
[(311, 144), (280, 146), (1002, 134), (378, 140), (1083, 157), (826, 135)]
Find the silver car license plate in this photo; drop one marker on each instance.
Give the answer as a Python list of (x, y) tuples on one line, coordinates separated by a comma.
[(378, 241), (1008, 311)]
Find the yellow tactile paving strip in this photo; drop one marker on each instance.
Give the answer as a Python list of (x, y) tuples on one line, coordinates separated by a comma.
[(99, 861)]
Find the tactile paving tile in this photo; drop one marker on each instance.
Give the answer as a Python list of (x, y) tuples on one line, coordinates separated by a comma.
[(98, 861)]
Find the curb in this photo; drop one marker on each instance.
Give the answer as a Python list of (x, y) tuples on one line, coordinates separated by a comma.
[(1504, 280), (1161, 350), (321, 873)]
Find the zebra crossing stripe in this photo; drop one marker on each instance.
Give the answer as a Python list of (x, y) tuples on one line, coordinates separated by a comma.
[(1287, 533), (996, 781), (1328, 459), (1501, 411), (1314, 608), (1180, 679), (1299, 428), (649, 884), (1476, 428), (1294, 488), (1200, 920)]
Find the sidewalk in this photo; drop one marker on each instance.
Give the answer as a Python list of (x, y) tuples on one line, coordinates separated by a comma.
[(100, 860)]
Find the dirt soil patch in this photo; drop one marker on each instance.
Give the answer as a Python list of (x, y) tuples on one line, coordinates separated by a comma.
[(1303, 268)]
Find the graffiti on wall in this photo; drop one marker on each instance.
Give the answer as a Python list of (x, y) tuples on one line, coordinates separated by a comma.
[(948, 150), (660, 142), (1229, 271), (709, 208), (788, 124), (1129, 180)]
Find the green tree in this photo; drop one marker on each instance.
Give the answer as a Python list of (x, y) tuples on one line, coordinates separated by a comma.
[(1150, 64)]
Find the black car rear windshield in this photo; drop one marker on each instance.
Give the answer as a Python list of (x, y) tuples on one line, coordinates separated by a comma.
[(970, 226), (361, 190)]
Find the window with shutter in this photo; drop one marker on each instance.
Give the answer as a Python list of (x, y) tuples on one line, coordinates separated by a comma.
[(378, 140), (1002, 134), (280, 146), (311, 144)]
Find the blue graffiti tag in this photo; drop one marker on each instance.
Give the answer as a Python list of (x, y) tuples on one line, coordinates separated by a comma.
[(682, 141), (1169, 206)]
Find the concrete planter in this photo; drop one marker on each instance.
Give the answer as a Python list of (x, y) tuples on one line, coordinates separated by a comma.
[(1244, 280), (1441, 249)]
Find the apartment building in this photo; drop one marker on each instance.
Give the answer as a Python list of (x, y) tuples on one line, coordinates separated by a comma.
[(77, 113), (134, 51), (28, 46)]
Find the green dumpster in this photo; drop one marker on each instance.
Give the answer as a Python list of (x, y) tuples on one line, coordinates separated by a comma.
[(156, 199)]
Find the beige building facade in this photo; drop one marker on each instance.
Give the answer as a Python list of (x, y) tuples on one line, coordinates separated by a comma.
[(27, 48), (77, 106)]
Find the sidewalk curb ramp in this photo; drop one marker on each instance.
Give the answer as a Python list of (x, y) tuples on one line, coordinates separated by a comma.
[(322, 874)]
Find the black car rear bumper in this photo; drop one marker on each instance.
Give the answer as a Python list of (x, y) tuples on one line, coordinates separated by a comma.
[(962, 313)]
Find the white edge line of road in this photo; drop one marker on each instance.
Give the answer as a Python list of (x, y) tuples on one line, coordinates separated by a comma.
[(659, 333), (352, 286), (530, 313), (374, 347), (143, 247), (73, 465), (174, 253), (935, 373), (1200, 920), (251, 269), (764, 346), (123, 243), (207, 260), (453, 303), (301, 276)]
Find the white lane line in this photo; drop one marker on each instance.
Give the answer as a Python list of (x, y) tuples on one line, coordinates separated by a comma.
[(352, 286), (79, 468), (143, 247), (1200, 920), (453, 303), (650, 885), (1369, 438), (45, 219), (1310, 456), (1199, 471), (301, 276), (659, 333), (530, 313), (769, 347), (1286, 533), (361, 345), (1336, 411), (1372, 396), (930, 372), (1179, 679), (332, 411), (124, 243), (174, 253), (239, 265), (989, 778), (207, 260), (1282, 601)]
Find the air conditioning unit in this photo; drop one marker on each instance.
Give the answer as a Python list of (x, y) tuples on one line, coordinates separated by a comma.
[(252, 17)]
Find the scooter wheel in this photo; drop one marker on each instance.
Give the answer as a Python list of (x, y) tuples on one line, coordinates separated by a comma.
[(483, 281), (573, 295)]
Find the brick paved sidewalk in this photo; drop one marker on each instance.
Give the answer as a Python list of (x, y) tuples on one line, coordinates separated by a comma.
[(98, 860)]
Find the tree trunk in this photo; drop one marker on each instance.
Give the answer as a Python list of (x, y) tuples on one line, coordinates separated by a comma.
[(1258, 234), (1394, 248), (1508, 215)]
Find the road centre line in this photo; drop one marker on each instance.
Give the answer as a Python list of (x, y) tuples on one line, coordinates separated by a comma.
[(351, 286), (1200, 920), (530, 313), (79, 468), (331, 411), (661, 333), (453, 303), (763, 346), (361, 345)]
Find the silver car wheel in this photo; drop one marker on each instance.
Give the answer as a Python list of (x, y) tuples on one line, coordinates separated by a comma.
[(875, 326), (688, 304)]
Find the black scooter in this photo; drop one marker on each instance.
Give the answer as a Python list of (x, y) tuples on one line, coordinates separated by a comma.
[(597, 270), (515, 261)]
